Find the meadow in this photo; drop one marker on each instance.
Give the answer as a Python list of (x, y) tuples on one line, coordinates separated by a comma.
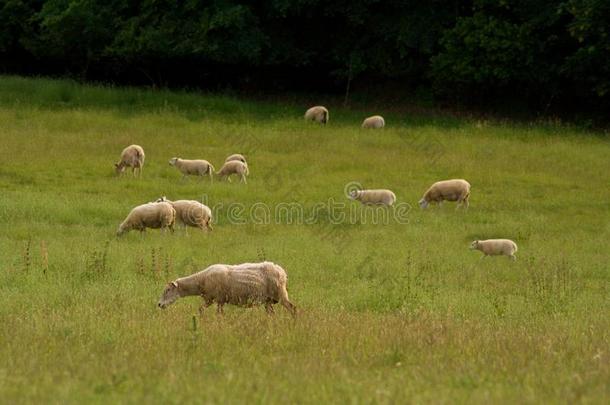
[(392, 311)]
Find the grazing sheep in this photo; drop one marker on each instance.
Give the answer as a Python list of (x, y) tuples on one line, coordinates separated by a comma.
[(375, 122), (152, 215), (317, 114), (191, 213), (236, 156), (495, 247), (132, 156), (450, 190), (246, 285), (234, 167), (192, 167), (380, 197)]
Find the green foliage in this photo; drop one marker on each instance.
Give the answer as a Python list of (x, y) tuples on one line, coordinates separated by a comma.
[(541, 51), (590, 64)]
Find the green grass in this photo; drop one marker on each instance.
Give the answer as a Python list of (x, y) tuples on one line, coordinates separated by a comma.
[(393, 313)]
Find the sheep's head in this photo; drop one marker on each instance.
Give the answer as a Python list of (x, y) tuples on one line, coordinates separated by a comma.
[(170, 294), (423, 203), (120, 231), (353, 194), (172, 161), (474, 245), (161, 199), (119, 168)]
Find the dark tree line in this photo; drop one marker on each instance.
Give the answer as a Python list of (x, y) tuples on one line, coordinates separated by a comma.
[(544, 51)]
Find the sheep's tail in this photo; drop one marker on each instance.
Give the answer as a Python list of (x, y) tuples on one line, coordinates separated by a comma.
[(211, 168), (247, 171), (325, 116)]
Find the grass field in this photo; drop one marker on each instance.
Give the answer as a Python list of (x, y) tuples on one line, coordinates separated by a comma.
[(391, 312)]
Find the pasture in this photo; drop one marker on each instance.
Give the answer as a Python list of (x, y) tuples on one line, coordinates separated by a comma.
[(393, 306)]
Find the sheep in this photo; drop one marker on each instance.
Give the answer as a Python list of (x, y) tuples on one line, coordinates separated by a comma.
[(375, 122), (495, 247), (132, 156), (450, 190), (192, 167), (317, 114), (236, 156), (151, 215), (191, 213), (382, 197), (234, 167), (245, 285)]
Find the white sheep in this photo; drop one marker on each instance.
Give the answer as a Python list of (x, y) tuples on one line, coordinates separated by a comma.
[(234, 167), (379, 197), (246, 285), (192, 167), (151, 215), (495, 247), (132, 156), (375, 122), (236, 156), (318, 114), (449, 190), (191, 213)]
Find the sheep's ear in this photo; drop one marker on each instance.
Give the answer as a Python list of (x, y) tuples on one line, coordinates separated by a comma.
[(175, 284)]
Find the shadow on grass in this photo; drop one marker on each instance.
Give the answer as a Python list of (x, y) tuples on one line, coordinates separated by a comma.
[(52, 94)]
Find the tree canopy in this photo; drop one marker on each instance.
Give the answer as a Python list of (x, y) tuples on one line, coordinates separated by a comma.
[(542, 50)]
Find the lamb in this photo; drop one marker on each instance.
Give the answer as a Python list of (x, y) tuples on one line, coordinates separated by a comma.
[(449, 190), (317, 114), (192, 167), (495, 247), (245, 285), (151, 215), (191, 213), (234, 167), (381, 197), (132, 156), (236, 156), (375, 122)]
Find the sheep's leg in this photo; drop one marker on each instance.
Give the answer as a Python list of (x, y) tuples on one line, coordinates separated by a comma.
[(513, 257), (243, 178), (210, 174), (269, 308), (209, 225), (229, 178), (286, 302), (219, 309), (206, 303)]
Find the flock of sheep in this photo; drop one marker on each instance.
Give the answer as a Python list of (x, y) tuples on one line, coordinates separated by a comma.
[(264, 283)]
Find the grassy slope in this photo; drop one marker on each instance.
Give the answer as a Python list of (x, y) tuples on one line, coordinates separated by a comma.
[(387, 312)]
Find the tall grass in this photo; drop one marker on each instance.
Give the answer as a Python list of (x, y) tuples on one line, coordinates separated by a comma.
[(387, 313)]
